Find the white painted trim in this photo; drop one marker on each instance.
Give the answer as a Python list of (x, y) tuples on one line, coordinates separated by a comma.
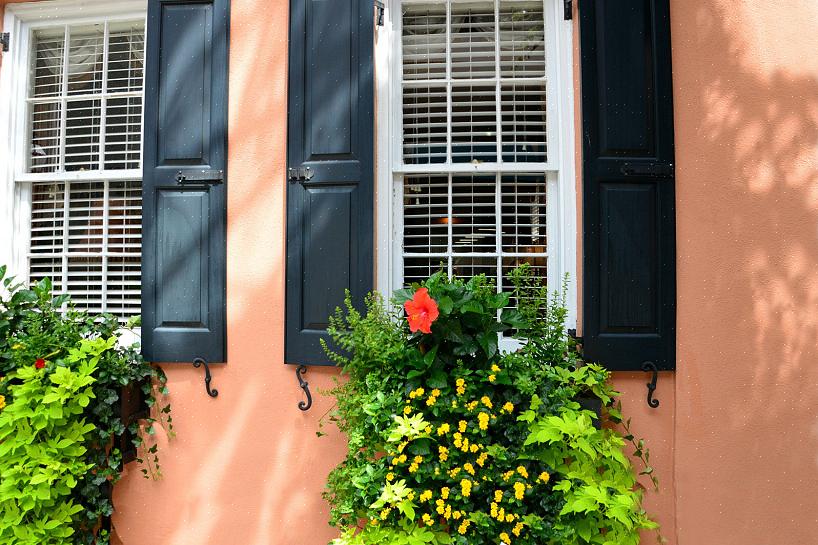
[(13, 79), (559, 170), (384, 68), (60, 12)]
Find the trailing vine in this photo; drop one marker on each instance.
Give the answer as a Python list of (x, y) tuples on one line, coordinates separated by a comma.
[(63, 434)]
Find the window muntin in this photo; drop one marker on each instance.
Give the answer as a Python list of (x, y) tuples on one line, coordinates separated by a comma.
[(476, 179), (82, 161)]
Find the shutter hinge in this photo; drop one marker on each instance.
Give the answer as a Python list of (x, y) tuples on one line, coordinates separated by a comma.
[(299, 174), (4, 41), (379, 13), (567, 9)]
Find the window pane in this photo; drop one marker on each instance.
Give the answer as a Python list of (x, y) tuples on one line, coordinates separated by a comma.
[(524, 123), (123, 133), (474, 124), (523, 213), (472, 40), (424, 41), (126, 53), (425, 214), (467, 267), (82, 128), (522, 39), (473, 214), (46, 122), (424, 125), (47, 65), (418, 269), (85, 58), (102, 240)]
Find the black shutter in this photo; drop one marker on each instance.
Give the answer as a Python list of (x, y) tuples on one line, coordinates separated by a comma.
[(184, 185), (629, 263), (330, 199)]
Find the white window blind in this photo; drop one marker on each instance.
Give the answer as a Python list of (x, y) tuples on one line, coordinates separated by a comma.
[(84, 155), (475, 172)]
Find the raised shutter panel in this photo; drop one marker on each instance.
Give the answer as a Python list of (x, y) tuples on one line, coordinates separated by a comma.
[(184, 239), (330, 215), (629, 264)]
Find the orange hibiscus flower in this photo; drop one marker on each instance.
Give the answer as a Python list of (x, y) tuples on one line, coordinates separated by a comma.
[(421, 311)]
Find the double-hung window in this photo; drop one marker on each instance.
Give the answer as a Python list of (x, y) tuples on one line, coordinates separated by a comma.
[(480, 139), (77, 175)]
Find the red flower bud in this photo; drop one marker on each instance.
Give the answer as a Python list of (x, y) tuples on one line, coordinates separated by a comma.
[(39, 363)]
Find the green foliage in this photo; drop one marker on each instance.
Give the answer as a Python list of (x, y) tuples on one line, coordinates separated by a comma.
[(452, 441), (61, 427)]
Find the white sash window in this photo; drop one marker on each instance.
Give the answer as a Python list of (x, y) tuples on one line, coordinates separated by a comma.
[(77, 163), (476, 144)]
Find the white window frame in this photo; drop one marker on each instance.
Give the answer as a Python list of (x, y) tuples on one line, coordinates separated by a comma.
[(21, 20), (561, 220)]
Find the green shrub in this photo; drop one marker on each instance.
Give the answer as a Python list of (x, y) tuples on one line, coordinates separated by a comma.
[(451, 441), (61, 428)]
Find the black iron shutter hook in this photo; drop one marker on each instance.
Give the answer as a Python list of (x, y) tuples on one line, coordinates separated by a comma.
[(650, 367), (198, 362), (299, 372)]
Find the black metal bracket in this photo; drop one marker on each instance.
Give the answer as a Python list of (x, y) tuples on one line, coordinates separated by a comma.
[(299, 372), (300, 174), (379, 12), (650, 367), (567, 9), (5, 39), (198, 362)]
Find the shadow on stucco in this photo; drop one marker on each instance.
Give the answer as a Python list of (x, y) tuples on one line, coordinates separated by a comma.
[(746, 103)]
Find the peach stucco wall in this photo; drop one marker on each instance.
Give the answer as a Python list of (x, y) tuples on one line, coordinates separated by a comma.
[(735, 440)]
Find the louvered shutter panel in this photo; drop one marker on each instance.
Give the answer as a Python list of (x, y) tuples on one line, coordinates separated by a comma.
[(184, 244), (628, 187), (330, 214)]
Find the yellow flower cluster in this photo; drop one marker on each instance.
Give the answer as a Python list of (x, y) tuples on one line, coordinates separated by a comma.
[(505, 539), (413, 467), (481, 460), (486, 401), (464, 527), (433, 397), (522, 471), (544, 477), (416, 393), (461, 386), (444, 492), (471, 406), (425, 496), (461, 426), (443, 429), (508, 407), (518, 528), (465, 487), (495, 368), (427, 519), (443, 453), (483, 421), (468, 468), (2, 402), (519, 490)]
